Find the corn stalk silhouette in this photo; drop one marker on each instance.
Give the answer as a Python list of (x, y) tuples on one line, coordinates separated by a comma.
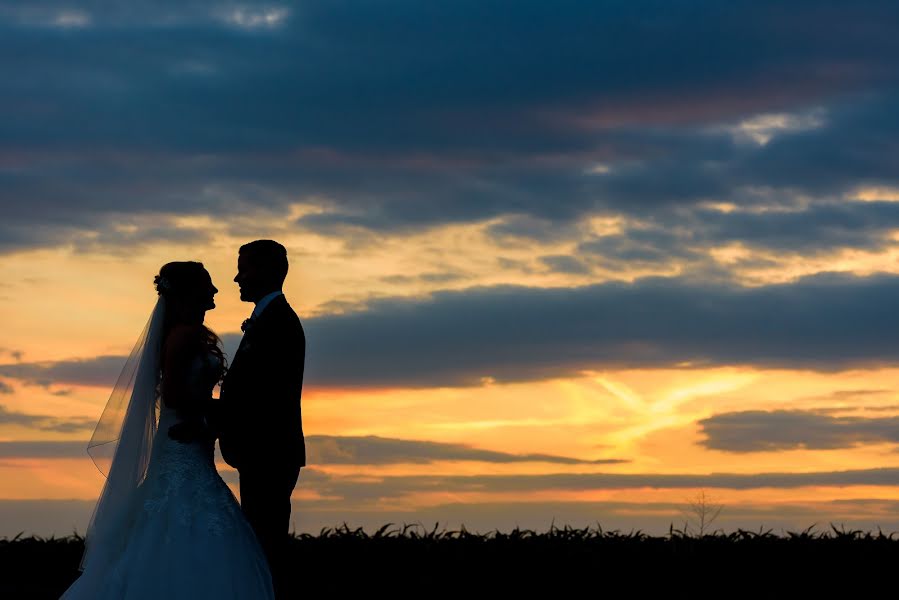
[(701, 512)]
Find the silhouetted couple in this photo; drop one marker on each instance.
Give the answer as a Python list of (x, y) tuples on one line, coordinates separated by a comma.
[(166, 525)]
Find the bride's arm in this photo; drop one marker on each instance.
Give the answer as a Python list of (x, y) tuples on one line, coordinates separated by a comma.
[(177, 356), (177, 393)]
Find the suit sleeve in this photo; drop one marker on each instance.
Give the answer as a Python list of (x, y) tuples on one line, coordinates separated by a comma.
[(275, 417)]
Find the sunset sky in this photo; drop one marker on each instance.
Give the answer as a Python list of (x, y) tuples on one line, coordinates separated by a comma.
[(565, 261)]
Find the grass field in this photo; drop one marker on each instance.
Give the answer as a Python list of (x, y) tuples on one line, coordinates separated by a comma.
[(412, 561)]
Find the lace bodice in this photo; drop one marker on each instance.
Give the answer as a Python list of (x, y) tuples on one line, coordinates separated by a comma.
[(205, 372)]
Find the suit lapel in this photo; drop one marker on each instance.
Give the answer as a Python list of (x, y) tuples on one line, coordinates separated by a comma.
[(262, 320)]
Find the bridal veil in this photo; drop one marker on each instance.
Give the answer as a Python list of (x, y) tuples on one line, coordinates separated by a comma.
[(122, 442)]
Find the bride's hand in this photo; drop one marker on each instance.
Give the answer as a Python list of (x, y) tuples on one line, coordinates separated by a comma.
[(188, 431)]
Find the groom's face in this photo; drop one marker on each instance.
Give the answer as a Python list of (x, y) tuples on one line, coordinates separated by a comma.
[(249, 279)]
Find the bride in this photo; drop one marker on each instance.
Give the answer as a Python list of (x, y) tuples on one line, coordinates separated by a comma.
[(166, 526)]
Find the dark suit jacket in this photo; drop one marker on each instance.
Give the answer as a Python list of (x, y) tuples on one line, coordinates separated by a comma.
[(261, 423)]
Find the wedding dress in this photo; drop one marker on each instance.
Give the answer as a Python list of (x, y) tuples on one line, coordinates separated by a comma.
[(184, 536)]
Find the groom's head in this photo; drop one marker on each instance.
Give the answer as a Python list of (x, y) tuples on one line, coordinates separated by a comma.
[(261, 269)]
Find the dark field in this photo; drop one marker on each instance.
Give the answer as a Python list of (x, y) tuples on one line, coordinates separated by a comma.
[(414, 562)]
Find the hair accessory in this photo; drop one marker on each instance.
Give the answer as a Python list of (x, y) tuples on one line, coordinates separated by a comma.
[(162, 284)]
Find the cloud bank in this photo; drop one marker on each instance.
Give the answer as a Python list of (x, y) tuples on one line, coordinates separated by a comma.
[(549, 112), (515, 333), (765, 431)]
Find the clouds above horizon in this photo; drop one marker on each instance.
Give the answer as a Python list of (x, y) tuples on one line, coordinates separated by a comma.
[(399, 116), (326, 450), (375, 450), (45, 422), (772, 431), (95, 371), (356, 490), (523, 235), (513, 333), (363, 486)]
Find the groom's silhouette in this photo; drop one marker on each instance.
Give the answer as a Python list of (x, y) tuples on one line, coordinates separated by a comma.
[(260, 424)]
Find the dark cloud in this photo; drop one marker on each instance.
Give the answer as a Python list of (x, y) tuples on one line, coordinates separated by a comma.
[(513, 333), (352, 60), (359, 490), (687, 236), (562, 263), (322, 450), (44, 423), (373, 450), (862, 225), (434, 277), (211, 108), (29, 449), (766, 431), (100, 371), (542, 229), (5, 388), (640, 247), (852, 146), (393, 486), (122, 238), (857, 145)]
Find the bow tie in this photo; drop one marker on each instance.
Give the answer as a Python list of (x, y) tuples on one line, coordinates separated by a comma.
[(247, 323)]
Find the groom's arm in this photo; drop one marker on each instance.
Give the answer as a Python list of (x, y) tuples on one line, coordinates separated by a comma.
[(279, 376)]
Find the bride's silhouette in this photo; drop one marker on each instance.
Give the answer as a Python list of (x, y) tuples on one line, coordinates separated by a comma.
[(166, 525)]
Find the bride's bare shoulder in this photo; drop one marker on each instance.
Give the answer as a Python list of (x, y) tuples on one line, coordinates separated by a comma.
[(181, 339)]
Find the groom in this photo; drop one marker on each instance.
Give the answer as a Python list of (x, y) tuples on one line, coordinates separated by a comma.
[(259, 421)]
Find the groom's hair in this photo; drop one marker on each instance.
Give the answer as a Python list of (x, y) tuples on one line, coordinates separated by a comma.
[(269, 255)]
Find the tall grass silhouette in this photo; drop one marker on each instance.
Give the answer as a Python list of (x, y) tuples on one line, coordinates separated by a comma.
[(417, 561)]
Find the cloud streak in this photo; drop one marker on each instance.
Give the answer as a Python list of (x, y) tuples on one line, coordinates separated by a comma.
[(45, 423), (332, 450), (515, 333), (37, 450), (374, 450), (358, 490), (779, 430), (99, 372)]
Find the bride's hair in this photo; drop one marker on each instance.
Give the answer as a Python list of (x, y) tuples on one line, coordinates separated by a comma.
[(187, 282)]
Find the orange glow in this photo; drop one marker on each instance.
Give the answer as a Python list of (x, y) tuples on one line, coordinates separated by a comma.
[(62, 304)]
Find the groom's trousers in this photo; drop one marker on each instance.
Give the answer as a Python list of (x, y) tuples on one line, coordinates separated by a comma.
[(265, 500)]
